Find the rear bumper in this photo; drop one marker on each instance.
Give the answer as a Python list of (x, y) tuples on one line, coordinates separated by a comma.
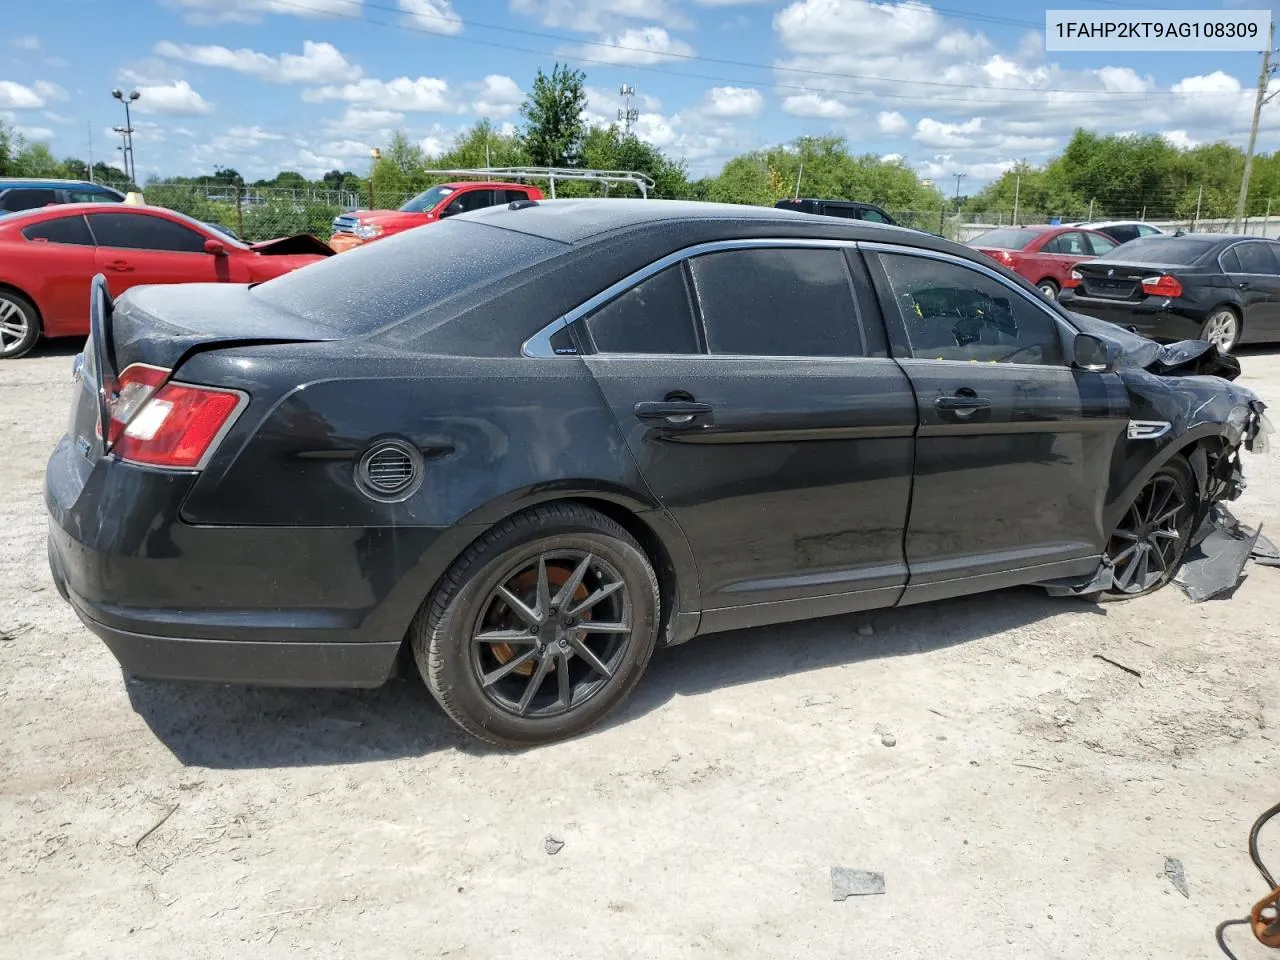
[(1157, 321)]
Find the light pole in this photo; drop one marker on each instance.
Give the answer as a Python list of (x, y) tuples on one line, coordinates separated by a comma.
[(374, 156), (131, 166)]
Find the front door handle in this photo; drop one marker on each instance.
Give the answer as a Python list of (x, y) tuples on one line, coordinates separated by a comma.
[(120, 266), (1244, 284), (962, 405), (675, 412)]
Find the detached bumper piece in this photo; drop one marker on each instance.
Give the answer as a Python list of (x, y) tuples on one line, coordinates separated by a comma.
[(1215, 558)]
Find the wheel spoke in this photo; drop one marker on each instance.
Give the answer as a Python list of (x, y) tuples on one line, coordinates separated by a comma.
[(1126, 535), (1143, 563), (544, 591), (535, 683), (1126, 553), (592, 626), (570, 586), (1167, 534), (519, 607), (1130, 568), (7, 309), (515, 663), (504, 636), (587, 654), (562, 680), (1168, 517), (1155, 511), (605, 591)]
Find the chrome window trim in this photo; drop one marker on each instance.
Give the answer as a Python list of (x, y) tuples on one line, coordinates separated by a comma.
[(1275, 252), (539, 345)]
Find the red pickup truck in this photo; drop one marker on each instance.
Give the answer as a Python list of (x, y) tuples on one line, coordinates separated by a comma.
[(445, 200)]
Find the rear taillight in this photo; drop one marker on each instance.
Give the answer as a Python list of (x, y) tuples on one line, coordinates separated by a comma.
[(1002, 256), (1074, 280), (160, 423), (1162, 286)]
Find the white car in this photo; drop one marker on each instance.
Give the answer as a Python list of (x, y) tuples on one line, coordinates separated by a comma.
[(1121, 231)]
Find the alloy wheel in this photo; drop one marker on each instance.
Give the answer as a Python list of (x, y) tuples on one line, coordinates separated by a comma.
[(15, 326), (1049, 290), (1148, 542), (1222, 329), (552, 634)]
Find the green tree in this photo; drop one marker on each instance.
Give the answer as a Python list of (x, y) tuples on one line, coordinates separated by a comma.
[(554, 130), (608, 148)]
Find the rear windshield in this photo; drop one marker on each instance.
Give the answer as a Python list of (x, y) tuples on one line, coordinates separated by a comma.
[(1173, 250), (380, 283), (1004, 239)]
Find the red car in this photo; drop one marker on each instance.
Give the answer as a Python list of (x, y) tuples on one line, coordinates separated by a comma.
[(1043, 254), (445, 200), (49, 255)]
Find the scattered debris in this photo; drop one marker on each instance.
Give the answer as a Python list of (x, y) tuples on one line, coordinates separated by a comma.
[(1177, 876), (855, 883), (865, 630), (552, 845), (1215, 560), (1032, 766), (889, 740), (1118, 665), (282, 913), (939, 713), (1265, 552), (12, 633), (156, 826)]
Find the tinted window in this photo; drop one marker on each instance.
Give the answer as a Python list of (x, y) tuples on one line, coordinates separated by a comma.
[(955, 313), (91, 196), (138, 231), (1072, 243), (1145, 231), (62, 230), (1230, 262), (1124, 233), (1162, 250), (1100, 243), (514, 195), (377, 284), (466, 202), (1256, 258), (1005, 239), (26, 199), (875, 216), (840, 210), (777, 303), (652, 317)]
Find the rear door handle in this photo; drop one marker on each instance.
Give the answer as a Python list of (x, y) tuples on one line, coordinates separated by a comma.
[(673, 411), (120, 266), (962, 405)]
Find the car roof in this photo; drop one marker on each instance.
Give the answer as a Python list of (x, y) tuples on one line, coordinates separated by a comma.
[(575, 221), (51, 181), (851, 203), (455, 184), (1094, 224)]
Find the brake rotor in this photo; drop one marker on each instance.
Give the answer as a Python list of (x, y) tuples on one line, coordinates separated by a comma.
[(525, 586)]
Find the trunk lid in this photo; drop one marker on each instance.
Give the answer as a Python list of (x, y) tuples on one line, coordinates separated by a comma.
[(1108, 280)]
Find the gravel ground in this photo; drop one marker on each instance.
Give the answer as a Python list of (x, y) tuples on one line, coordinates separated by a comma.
[(1019, 794)]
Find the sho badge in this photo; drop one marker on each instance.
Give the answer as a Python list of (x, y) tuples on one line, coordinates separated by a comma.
[(1148, 429)]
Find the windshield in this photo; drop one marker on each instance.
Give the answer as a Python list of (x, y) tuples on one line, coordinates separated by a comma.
[(426, 200), (1172, 250), (1004, 239)]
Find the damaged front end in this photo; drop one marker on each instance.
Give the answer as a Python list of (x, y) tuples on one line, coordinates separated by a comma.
[(1182, 402)]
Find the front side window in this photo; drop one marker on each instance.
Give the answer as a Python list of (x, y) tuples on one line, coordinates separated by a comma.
[(654, 316), (1145, 231), (777, 302), (466, 202), (26, 198), (952, 312), (1256, 258), (140, 231), (1071, 244), (62, 230), (427, 199)]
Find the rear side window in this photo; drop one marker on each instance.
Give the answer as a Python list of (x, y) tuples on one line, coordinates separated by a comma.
[(777, 302), (139, 231), (466, 202), (1004, 239), (1071, 244), (1229, 261), (875, 216), (1124, 232), (378, 284), (840, 210), (92, 196), (655, 316), (513, 195), (1256, 258), (1145, 231), (26, 198), (62, 230)]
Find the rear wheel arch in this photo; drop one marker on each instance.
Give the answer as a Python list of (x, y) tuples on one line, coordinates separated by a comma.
[(28, 304)]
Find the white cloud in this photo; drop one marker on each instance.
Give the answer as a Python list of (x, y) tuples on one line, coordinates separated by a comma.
[(815, 105), (1180, 139), (637, 45), (18, 96), (318, 63), (56, 117), (436, 16), (50, 91), (359, 119), (150, 70), (205, 12), (732, 102), (497, 96), (891, 122), (175, 99), (25, 43), (423, 95), (34, 134), (933, 133), (593, 16)]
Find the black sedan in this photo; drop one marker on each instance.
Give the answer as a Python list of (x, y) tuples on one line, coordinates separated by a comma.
[(1223, 289), (531, 444)]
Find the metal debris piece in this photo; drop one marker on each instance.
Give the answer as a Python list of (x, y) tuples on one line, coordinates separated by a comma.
[(1119, 665), (1177, 876), (12, 633), (1265, 552), (1213, 564), (553, 845), (855, 883)]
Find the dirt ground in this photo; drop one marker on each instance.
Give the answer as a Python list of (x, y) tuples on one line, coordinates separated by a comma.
[(1019, 794)]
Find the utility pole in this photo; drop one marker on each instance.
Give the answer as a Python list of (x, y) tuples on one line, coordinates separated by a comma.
[(1264, 76), (1017, 187), (1199, 197), (629, 115), (89, 129)]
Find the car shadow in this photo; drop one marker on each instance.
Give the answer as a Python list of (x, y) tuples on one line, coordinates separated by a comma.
[(58, 347), (235, 727)]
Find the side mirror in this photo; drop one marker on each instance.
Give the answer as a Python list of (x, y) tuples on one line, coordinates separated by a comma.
[(1095, 354), (215, 247)]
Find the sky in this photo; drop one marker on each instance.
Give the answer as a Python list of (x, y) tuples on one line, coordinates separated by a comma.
[(312, 85)]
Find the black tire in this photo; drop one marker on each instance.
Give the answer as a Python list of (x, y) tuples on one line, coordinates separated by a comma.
[(1049, 288), (19, 325), (1175, 477), (1223, 327), (547, 542)]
